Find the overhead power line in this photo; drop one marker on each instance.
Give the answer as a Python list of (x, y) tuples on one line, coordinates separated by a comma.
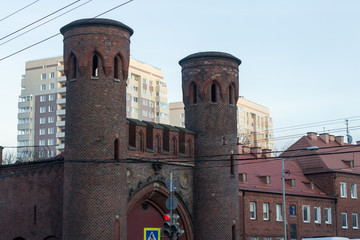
[(10, 34), (48, 38), (11, 39), (18, 10)]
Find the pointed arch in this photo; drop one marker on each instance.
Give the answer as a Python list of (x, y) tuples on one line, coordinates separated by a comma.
[(213, 93), (116, 149), (97, 64), (72, 66), (231, 94), (173, 148), (140, 141), (193, 93), (118, 67), (188, 150)]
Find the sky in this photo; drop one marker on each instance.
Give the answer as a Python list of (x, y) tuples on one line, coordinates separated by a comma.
[(299, 58)]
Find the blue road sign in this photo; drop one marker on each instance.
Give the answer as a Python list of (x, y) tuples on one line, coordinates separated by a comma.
[(152, 233)]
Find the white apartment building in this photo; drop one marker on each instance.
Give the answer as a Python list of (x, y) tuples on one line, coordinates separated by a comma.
[(42, 103), (254, 124)]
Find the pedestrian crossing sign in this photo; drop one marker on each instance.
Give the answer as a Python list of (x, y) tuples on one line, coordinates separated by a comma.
[(152, 233)]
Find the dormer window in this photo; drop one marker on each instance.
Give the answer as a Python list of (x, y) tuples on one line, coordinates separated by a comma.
[(349, 163), (291, 182), (267, 179), (243, 177)]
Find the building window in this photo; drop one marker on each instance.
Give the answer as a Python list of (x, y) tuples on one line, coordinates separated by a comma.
[(51, 119), (51, 97), (51, 108), (279, 216), (157, 144), (328, 215), (193, 94), (43, 76), (266, 211), (117, 69), (135, 99), (343, 189), (353, 190), (292, 210), (52, 86), (72, 66), (95, 66), (213, 93), (317, 215), (252, 210), (306, 213), (42, 131), (141, 141), (267, 179), (42, 109), (344, 220), (355, 223), (50, 130), (42, 142), (42, 120), (52, 75), (43, 87), (243, 177), (173, 146), (116, 148), (51, 142), (42, 98)]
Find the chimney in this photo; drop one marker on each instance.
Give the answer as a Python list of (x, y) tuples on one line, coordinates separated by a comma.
[(266, 152), (1, 155), (256, 151), (324, 137), (339, 140), (331, 138), (312, 135)]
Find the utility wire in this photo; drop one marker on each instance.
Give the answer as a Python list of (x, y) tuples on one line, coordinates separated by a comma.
[(19, 10), (37, 43), (10, 34), (45, 23)]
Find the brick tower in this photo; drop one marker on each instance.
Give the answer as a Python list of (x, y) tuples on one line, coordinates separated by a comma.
[(96, 62), (210, 92)]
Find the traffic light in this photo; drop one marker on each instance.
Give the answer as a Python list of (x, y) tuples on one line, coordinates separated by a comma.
[(171, 226), (167, 225)]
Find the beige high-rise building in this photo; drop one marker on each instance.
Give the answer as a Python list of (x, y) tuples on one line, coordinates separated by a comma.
[(42, 103), (254, 124)]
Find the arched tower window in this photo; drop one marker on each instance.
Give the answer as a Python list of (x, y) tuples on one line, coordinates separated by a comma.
[(95, 66), (233, 232), (193, 93), (141, 141), (72, 66), (117, 67), (213, 93), (232, 165), (188, 148), (116, 149), (173, 146), (157, 144), (231, 95)]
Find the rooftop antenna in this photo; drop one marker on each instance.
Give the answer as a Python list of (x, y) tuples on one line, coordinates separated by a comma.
[(349, 138)]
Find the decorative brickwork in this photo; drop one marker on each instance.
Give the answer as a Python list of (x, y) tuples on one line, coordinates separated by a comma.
[(209, 81)]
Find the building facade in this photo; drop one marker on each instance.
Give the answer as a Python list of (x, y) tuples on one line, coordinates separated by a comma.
[(42, 104), (254, 124)]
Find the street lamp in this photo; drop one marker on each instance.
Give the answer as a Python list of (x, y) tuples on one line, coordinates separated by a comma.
[(283, 167)]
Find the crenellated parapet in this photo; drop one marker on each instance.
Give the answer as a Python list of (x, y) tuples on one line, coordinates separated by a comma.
[(149, 139)]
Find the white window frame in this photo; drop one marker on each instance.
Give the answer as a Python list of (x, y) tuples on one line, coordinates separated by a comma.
[(317, 215), (355, 224), (279, 213), (42, 109), (252, 210), (43, 76), (51, 97), (266, 211), (50, 141), (346, 222), (327, 215), (52, 86), (50, 130), (353, 187), (42, 142), (42, 131), (307, 209), (51, 108), (43, 98), (42, 120), (43, 87), (51, 119), (343, 193)]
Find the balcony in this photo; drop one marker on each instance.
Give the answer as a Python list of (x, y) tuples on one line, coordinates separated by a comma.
[(61, 79), (61, 101), (60, 112), (61, 90), (60, 147), (60, 123), (60, 135)]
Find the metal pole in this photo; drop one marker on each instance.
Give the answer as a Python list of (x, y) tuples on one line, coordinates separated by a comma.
[(283, 193)]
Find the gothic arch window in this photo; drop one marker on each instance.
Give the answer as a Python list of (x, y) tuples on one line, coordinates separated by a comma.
[(117, 67), (193, 93), (213, 93), (231, 95), (72, 66), (173, 146), (140, 141), (157, 144), (188, 148), (116, 149), (95, 66), (233, 232), (232, 165)]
